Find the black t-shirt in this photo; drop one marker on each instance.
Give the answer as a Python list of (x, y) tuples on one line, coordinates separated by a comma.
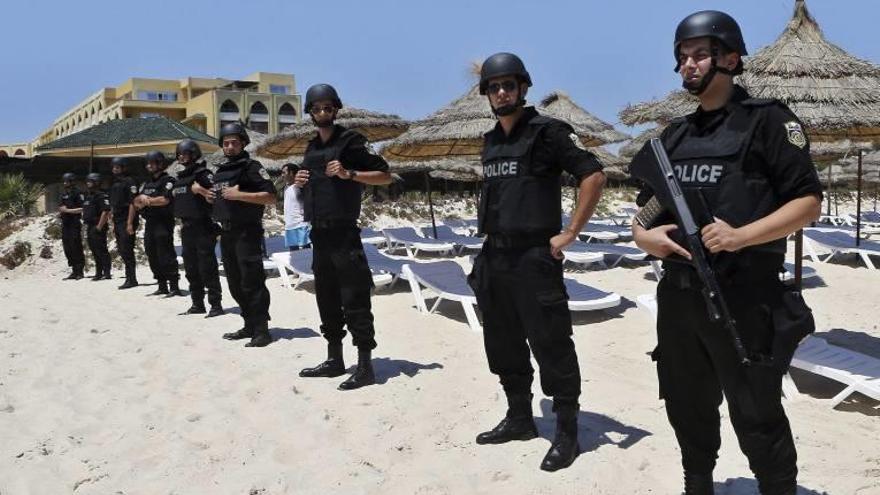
[(71, 198)]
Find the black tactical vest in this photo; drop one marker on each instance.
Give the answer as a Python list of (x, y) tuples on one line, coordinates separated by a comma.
[(713, 172), (92, 207), (155, 188), (187, 204), (330, 198), (71, 199), (236, 212), (519, 197), (121, 193)]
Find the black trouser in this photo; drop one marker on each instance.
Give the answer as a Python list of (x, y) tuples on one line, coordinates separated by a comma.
[(71, 239), (696, 363), (242, 250), (524, 304), (125, 246), (159, 245), (97, 240), (343, 283), (199, 238)]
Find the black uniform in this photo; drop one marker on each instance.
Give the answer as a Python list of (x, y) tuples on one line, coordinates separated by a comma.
[(241, 238), (518, 283), (342, 277), (198, 235), (743, 161), (71, 230), (159, 230), (123, 190), (94, 204)]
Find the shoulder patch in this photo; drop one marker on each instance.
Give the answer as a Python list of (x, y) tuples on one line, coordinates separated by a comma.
[(133, 189), (795, 134), (169, 185), (370, 149), (577, 141), (264, 174)]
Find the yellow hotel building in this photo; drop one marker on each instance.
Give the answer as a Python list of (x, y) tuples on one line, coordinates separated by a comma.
[(267, 102)]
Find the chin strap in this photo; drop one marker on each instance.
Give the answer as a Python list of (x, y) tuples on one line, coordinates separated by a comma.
[(508, 109), (698, 89)]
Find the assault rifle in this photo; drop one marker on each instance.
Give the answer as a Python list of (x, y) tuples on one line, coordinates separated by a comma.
[(652, 166)]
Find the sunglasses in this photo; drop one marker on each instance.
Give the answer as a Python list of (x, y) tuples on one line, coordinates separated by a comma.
[(323, 109), (507, 86)]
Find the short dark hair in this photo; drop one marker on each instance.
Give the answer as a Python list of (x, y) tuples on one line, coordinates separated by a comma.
[(290, 166)]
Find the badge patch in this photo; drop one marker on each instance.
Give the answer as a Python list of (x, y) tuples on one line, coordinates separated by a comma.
[(369, 147), (795, 134), (169, 185), (577, 141), (134, 189), (264, 174)]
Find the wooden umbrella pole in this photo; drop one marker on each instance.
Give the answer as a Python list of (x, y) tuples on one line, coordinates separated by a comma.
[(828, 206), (430, 203), (859, 201)]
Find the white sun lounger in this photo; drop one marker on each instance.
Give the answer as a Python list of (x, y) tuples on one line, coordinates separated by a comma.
[(583, 252), (409, 240), (839, 243), (448, 281), (300, 263), (446, 234)]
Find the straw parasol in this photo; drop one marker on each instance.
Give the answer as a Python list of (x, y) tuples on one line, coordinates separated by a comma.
[(293, 140), (455, 130), (835, 94), (592, 130)]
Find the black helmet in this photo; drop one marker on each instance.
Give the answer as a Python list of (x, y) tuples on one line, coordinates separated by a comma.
[(155, 156), (191, 147), (234, 129), (320, 92), (93, 177), (68, 176), (503, 64), (711, 24), (119, 161)]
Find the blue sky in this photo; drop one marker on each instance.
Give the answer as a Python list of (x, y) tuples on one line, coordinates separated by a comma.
[(404, 57)]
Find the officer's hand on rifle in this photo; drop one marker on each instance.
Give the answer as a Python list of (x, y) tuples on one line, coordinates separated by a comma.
[(561, 241), (720, 236), (301, 178), (656, 241), (231, 193)]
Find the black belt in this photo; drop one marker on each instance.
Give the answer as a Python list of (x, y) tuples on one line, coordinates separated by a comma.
[(334, 224), (517, 241)]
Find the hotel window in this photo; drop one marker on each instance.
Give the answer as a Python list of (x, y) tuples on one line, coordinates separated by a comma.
[(286, 116), (278, 89), (157, 95), (259, 118), (149, 115)]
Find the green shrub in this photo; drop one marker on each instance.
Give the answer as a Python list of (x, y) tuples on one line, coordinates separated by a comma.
[(17, 195)]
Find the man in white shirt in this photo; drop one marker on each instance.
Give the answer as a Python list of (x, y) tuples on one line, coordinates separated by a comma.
[(296, 229)]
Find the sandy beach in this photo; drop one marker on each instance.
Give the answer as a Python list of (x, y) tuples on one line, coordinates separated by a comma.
[(111, 392)]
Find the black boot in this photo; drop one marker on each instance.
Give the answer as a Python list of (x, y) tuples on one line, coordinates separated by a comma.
[(518, 423), (698, 484), (197, 308), (779, 484), (162, 290), (78, 272), (97, 276), (261, 337), (72, 276), (244, 333), (106, 275), (565, 448), (128, 284), (175, 289), (332, 367), (215, 311), (363, 375)]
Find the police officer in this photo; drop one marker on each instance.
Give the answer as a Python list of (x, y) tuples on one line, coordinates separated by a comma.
[(338, 162), (241, 191), (154, 203), (70, 211), (122, 191), (96, 217), (748, 161), (517, 277), (198, 233)]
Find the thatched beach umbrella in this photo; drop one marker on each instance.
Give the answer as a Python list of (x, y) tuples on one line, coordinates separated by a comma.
[(592, 130), (293, 140)]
